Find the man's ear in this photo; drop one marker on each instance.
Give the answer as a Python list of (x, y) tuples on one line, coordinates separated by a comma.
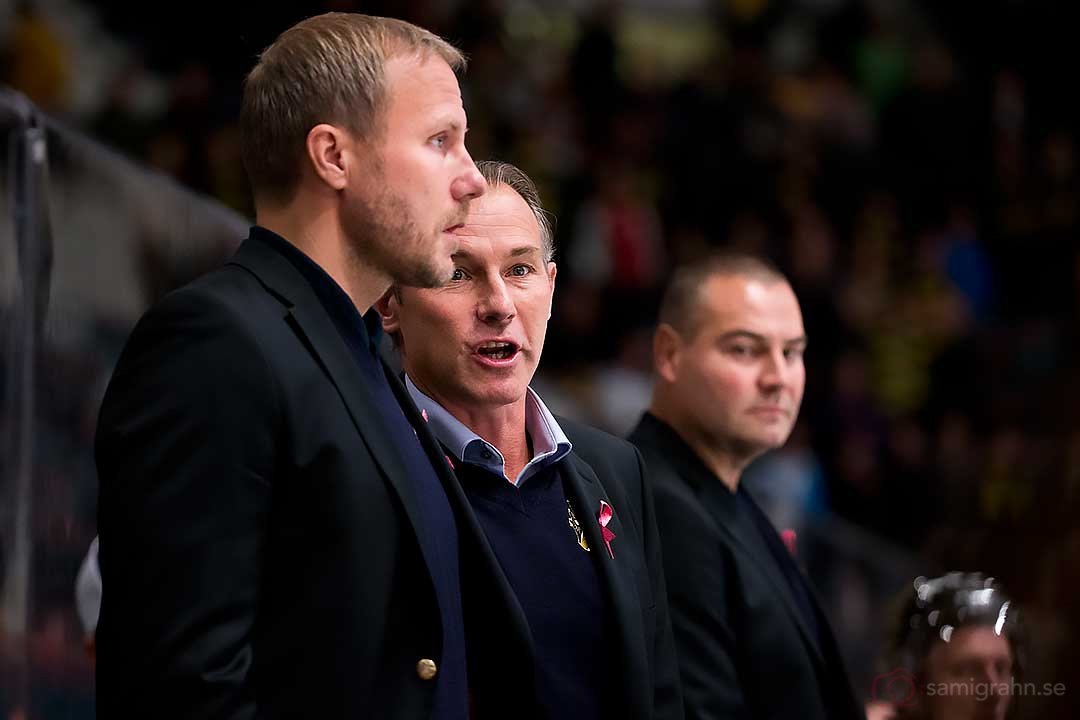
[(667, 352), (328, 154), (387, 307), (551, 279)]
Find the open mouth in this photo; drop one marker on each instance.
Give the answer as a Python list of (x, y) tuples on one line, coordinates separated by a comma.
[(497, 350)]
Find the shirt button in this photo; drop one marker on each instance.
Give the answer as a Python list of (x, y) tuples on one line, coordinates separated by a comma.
[(426, 669)]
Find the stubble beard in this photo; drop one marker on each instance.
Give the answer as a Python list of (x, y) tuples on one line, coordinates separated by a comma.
[(744, 440), (383, 235)]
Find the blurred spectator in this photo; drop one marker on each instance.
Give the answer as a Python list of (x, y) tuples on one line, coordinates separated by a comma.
[(957, 653)]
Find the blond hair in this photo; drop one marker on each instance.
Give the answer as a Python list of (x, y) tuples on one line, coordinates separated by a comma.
[(327, 69)]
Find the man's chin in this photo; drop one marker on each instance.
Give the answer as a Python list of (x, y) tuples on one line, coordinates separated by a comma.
[(762, 442), (499, 394), (775, 442), (774, 435)]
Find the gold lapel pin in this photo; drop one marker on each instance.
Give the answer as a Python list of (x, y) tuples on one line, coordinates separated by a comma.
[(576, 527)]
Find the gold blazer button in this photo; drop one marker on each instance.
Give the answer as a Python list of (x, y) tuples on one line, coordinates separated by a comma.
[(426, 669)]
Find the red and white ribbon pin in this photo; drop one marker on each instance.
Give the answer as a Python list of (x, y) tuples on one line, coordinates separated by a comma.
[(605, 517)]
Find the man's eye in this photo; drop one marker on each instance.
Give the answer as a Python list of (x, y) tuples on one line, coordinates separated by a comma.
[(793, 353), (458, 275), (520, 270), (438, 141), (740, 350)]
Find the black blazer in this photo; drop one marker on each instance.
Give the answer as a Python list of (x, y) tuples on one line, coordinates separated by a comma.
[(259, 544), (259, 549), (604, 467), (744, 648)]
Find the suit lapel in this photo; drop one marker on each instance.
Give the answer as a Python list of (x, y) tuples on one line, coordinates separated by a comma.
[(653, 432), (740, 528), (493, 602), (467, 522), (616, 576), (495, 622), (308, 318), (828, 659)]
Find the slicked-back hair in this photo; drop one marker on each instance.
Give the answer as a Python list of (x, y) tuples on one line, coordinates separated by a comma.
[(498, 173), (681, 305), (327, 69)]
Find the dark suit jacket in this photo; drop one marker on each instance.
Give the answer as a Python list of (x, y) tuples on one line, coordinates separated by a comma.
[(604, 467), (259, 547), (745, 650)]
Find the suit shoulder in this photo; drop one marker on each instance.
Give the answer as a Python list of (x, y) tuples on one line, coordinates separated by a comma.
[(579, 432), (591, 441), (663, 472), (208, 331), (227, 302), (676, 500), (229, 286)]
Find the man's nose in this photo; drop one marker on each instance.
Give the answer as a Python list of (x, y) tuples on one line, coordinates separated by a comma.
[(496, 305), (773, 371), (998, 680), (469, 184)]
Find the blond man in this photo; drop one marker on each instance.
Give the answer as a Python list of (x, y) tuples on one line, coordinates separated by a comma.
[(278, 538)]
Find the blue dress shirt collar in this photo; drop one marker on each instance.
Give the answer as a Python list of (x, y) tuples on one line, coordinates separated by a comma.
[(549, 442)]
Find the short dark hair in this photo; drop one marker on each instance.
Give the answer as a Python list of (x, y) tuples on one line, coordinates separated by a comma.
[(329, 68), (679, 307)]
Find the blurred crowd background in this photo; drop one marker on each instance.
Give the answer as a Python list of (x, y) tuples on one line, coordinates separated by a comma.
[(911, 165)]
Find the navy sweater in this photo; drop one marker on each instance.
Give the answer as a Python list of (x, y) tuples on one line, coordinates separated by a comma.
[(555, 580)]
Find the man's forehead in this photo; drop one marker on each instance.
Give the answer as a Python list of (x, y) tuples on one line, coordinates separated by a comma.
[(739, 300), (978, 640), (503, 218), (423, 85), (404, 65)]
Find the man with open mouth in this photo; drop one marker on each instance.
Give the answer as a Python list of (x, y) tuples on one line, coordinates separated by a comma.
[(566, 508)]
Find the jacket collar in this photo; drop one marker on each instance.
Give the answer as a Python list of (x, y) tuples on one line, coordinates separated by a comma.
[(305, 314), (487, 597), (549, 442), (722, 504)]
